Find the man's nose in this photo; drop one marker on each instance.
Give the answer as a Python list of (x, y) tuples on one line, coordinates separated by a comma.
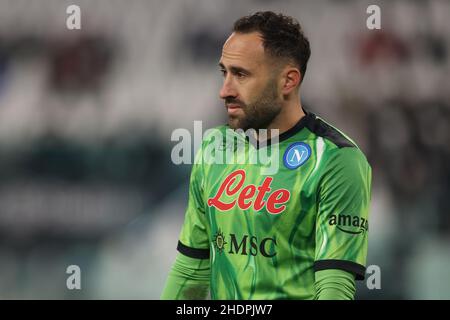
[(227, 89)]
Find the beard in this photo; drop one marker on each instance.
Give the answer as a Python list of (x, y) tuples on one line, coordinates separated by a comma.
[(258, 114)]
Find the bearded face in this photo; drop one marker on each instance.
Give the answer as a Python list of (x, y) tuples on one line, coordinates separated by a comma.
[(258, 112)]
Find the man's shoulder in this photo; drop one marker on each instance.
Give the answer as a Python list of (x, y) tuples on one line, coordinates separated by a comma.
[(332, 135), (339, 146)]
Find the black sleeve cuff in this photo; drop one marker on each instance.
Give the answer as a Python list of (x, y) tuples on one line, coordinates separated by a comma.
[(193, 252), (358, 270)]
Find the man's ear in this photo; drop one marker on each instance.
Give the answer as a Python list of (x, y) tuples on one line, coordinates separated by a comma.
[(291, 80)]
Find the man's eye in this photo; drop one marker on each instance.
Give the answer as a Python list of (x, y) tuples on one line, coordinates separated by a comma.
[(240, 75), (224, 72)]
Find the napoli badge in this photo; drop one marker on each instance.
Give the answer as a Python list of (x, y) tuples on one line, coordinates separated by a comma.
[(296, 155)]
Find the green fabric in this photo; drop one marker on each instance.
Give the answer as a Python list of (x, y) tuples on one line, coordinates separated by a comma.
[(188, 279), (334, 284), (267, 234)]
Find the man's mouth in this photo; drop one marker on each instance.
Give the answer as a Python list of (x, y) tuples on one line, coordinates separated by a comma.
[(233, 108)]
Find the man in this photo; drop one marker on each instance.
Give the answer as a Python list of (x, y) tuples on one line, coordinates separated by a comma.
[(300, 233)]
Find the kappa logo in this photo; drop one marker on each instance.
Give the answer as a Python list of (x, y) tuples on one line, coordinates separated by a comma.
[(227, 145), (349, 224), (296, 155)]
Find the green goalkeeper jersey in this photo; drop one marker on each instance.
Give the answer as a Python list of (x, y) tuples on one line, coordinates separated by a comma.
[(266, 234)]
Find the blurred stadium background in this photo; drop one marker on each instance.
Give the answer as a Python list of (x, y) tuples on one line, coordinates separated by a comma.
[(86, 117)]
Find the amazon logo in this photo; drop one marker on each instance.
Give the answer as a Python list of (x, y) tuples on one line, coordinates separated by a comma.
[(349, 224)]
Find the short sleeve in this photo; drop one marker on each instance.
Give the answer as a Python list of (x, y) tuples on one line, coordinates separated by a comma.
[(194, 240), (342, 221)]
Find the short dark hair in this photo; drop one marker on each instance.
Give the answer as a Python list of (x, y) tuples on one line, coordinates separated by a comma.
[(282, 36)]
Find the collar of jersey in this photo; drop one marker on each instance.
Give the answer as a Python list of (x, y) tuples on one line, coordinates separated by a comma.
[(288, 133)]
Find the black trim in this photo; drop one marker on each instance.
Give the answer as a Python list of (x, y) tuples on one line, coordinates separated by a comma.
[(324, 130), (350, 266), (317, 126), (193, 252), (297, 127)]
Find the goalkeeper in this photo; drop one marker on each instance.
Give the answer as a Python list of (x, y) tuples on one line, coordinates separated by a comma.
[(298, 233)]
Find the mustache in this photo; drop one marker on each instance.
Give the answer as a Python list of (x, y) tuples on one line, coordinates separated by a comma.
[(230, 100)]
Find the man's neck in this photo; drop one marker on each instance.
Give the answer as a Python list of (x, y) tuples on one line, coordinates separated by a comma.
[(286, 119)]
